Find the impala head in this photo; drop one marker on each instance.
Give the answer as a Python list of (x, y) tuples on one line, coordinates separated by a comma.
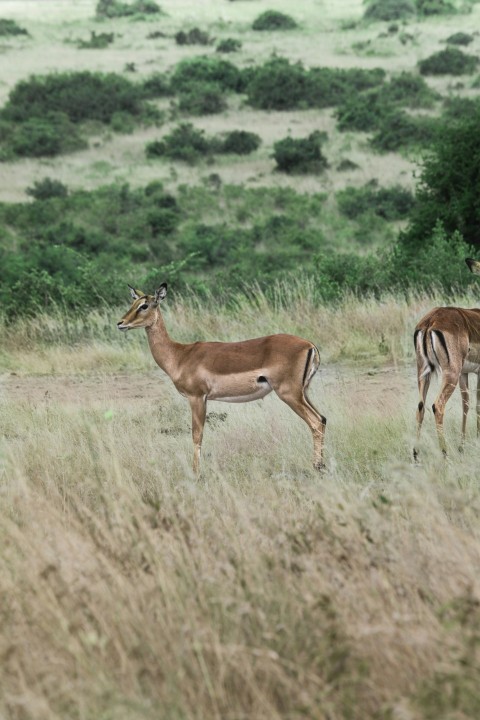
[(474, 265), (143, 311)]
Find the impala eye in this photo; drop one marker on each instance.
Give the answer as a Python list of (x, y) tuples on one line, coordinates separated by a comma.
[(144, 307)]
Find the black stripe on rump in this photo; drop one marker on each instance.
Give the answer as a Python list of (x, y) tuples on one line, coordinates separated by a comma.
[(307, 365), (443, 342), (415, 335)]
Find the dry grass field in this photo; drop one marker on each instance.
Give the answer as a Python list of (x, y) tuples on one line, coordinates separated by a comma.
[(130, 590)]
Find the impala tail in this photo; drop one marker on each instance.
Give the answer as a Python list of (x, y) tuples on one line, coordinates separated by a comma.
[(432, 349)]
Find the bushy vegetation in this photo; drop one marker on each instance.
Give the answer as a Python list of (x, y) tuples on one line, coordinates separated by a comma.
[(390, 203), (189, 144), (42, 114), (116, 8), (397, 131), (241, 142), (11, 28), (459, 38), (301, 155), (202, 98), (281, 85), (97, 42), (389, 9), (450, 61), (195, 36), (449, 184), (229, 45), (47, 188), (274, 20), (207, 69)]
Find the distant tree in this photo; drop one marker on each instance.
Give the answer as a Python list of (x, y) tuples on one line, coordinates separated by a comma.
[(449, 185)]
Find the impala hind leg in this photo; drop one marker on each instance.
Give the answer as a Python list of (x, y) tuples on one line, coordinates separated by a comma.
[(423, 385), (449, 383), (478, 405), (316, 422), (463, 382), (198, 407)]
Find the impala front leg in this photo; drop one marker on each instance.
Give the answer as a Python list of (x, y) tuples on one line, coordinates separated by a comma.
[(463, 382), (478, 405), (198, 406)]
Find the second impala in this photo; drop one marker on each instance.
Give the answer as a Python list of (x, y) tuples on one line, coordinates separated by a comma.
[(230, 371)]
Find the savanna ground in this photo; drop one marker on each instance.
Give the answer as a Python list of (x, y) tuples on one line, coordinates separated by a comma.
[(128, 589)]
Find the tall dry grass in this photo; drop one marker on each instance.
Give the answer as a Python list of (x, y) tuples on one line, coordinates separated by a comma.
[(130, 590)]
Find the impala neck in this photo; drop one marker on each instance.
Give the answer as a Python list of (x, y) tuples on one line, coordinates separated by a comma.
[(165, 351)]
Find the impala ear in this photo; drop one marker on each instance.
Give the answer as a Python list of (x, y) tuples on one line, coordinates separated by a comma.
[(474, 265), (160, 292), (135, 293)]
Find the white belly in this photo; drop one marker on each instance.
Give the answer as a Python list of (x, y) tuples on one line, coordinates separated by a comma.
[(239, 389)]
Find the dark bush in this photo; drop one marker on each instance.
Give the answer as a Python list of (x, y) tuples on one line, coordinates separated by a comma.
[(43, 137), (209, 70), (410, 90), (241, 142), (46, 189), (116, 8), (398, 130), (363, 112), (156, 34), (157, 85), (79, 95), (435, 7), (202, 99), (97, 42), (278, 85), (10, 27), (229, 45), (274, 20), (195, 36), (449, 184), (185, 143), (281, 85), (389, 9), (302, 155), (464, 107), (345, 165), (459, 38), (450, 61), (393, 203)]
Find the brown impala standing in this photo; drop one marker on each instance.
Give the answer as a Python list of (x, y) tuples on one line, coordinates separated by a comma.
[(230, 371), (447, 339)]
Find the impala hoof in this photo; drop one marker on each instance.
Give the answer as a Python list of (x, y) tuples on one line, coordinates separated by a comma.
[(320, 466)]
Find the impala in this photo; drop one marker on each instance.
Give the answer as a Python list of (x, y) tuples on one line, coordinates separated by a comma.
[(447, 339), (230, 371)]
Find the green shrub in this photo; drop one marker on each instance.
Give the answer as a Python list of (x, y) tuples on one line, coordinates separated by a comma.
[(459, 38), (274, 20), (398, 130), (185, 143), (389, 9), (281, 85), (43, 137), (47, 188), (450, 61), (97, 42), (116, 8), (392, 203), (435, 7), (410, 90), (156, 86), (449, 183), (10, 27), (229, 45), (346, 165), (207, 70), (202, 99), (464, 107), (79, 95), (302, 155), (195, 36), (241, 142), (363, 112)]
